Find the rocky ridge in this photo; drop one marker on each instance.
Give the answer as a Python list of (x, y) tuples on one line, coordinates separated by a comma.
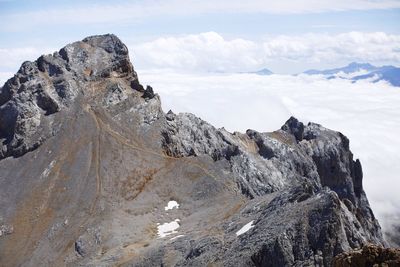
[(89, 161)]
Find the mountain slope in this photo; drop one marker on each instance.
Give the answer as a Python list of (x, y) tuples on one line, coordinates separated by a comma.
[(351, 68), (360, 71), (94, 173), (386, 73)]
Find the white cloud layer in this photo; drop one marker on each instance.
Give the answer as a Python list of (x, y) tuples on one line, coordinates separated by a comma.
[(12, 58), (4, 76), (123, 12), (202, 52), (367, 113), (211, 52)]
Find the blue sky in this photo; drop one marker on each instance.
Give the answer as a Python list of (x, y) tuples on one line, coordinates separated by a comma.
[(43, 26)]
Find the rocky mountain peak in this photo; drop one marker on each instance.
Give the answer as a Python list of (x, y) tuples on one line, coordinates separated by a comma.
[(54, 82), (94, 57), (93, 173), (293, 126)]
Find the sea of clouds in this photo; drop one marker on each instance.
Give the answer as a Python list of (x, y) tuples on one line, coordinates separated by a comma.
[(210, 51), (213, 52), (368, 113)]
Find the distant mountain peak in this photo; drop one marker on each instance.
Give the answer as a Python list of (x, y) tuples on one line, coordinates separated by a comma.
[(264, 71), (359, 71), (360, 65)]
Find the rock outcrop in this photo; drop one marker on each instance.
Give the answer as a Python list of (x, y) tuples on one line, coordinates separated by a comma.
[(42, 88), (89, 162), (369, 255)]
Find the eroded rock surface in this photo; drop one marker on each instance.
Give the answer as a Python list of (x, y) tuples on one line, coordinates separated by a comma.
[(51, 83), (89, 161), (369, 255)]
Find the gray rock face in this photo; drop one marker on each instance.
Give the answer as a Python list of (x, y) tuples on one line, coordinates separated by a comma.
[(52, 82), (89, 162)]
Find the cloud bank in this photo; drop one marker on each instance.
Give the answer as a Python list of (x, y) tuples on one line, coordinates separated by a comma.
[(211, 52), (12, 58), (367, 113)]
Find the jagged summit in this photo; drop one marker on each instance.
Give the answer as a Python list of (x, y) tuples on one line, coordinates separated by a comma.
[(99, 56), (53, 82), (94, 173)]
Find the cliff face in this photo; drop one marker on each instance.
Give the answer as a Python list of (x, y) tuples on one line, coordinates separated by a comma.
[(94, 173)]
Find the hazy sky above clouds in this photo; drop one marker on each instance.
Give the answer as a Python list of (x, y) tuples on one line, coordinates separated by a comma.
[(284, 36)]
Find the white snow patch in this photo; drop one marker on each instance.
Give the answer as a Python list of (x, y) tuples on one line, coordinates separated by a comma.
[(48, 169), (166, 229), (172, 204), (176, 237), (245, 228)]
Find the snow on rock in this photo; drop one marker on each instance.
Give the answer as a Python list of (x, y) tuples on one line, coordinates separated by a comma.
[(172, 204), (176, 237), (48, 169), (245, 228), (166, 229)]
